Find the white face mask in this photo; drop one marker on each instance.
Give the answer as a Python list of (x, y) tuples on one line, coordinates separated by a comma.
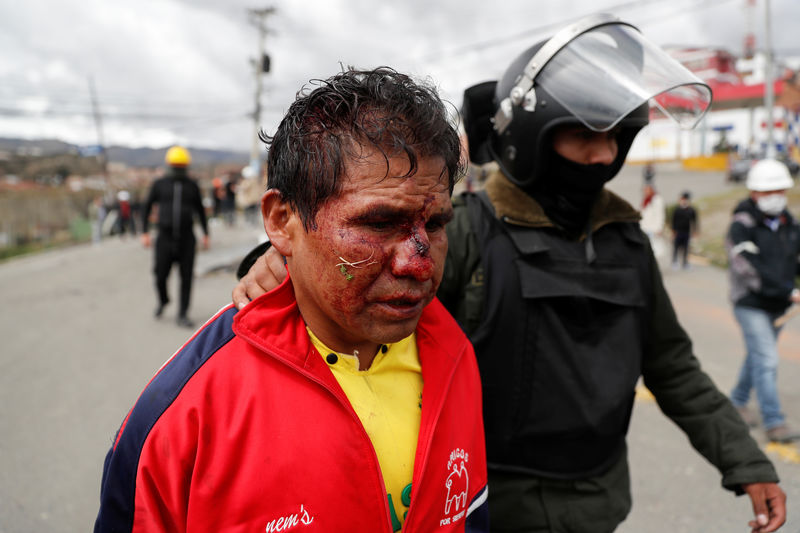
[(772, 204)]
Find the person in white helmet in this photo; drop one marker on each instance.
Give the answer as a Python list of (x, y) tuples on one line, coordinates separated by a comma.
[(763, 244)]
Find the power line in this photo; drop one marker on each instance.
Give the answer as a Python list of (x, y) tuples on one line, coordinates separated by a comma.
[(14, 90), (550, 27), (122, 112), (697, 6), (133, 115)]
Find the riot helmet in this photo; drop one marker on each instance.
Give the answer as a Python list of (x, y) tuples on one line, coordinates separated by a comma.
[(600, 73)]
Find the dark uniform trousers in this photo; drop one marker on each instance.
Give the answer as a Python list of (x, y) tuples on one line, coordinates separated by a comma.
[(171, 250)]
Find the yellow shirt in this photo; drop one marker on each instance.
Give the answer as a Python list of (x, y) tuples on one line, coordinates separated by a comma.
[(387, 397)]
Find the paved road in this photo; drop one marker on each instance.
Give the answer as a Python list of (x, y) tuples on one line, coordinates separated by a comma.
[(675, 490), (79, 343)]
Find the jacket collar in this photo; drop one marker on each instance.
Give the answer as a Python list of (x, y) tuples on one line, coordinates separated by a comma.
[(515, 206), (273, 324)]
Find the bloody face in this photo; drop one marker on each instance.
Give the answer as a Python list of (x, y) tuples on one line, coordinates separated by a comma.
[(375, 256)]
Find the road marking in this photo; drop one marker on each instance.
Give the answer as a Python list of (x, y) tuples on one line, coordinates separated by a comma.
[(643, 394), (788, 453)]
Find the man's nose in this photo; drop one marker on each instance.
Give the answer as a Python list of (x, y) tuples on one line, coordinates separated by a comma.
[(412, 257), (603, 149)]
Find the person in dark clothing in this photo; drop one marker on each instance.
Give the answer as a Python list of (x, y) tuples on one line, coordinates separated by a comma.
[(179, 200), (556, 285), (648, 173), (763, 244), (229, 201), (217, 194), (684, 225)]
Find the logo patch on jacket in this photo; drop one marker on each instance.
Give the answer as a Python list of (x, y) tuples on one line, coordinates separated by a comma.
[(457, 487), (285, 523)]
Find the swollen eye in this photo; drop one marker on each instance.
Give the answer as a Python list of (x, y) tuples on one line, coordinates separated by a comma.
[(434, 225)]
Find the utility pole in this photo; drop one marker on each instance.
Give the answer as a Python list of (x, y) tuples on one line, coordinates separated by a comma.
[(769, 87), (98, 124), (749, 49), (261, 65)]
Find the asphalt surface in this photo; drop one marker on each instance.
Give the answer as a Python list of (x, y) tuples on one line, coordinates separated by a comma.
[(79, 342)]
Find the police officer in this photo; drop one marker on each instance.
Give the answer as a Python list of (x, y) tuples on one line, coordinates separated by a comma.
[(557, 287), (570, 292), (179, 200)]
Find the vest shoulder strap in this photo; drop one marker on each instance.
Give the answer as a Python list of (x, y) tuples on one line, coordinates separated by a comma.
[(482, 216)]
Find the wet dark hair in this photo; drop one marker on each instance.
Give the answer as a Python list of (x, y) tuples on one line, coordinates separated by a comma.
[(346, 116)]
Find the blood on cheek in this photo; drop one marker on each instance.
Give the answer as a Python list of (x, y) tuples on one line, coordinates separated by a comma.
[(356, 254), (355, 263), (407, 252)]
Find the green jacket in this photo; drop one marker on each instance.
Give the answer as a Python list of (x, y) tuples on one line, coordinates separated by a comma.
[(669, 367)]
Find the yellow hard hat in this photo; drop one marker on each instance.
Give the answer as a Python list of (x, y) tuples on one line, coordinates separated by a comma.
[(178, 156)]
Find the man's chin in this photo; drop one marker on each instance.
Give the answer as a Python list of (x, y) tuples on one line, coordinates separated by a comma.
[(395, 332)]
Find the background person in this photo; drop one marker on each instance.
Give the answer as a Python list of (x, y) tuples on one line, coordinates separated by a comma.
[(229, 200), (347, 399), (684, 224), (654, 215), (248, 195), (97, 214), (763, 244), (179, 201), (648, 172), (555, 284), (125, 214), (217, 195)]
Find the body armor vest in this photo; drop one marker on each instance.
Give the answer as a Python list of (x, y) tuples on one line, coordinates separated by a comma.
[(560, 344)]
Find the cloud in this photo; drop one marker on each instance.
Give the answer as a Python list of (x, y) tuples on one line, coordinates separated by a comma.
[(180, 70)]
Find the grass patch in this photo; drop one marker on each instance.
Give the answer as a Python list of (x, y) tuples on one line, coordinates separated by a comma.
[(80, 231), (23, 249)]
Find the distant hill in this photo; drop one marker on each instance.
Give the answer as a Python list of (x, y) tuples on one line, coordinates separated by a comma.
[(37, 147), (135, 157)]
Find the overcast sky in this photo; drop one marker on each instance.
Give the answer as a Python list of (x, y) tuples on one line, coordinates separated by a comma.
[(178, 71)]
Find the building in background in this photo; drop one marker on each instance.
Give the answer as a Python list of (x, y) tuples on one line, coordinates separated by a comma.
[(736, 125)]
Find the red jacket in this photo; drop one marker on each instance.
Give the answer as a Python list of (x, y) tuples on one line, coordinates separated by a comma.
[(245, 428)]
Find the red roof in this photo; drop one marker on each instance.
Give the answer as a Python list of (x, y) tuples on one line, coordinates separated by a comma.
[(726, 92)]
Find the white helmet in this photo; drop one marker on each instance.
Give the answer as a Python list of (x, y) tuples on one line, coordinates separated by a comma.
[(769, 175)]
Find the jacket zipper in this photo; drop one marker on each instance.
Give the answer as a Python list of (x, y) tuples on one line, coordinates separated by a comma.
[(429, 434), (386, 513)]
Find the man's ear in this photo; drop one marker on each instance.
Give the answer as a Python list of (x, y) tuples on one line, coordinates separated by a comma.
[(280, 221)]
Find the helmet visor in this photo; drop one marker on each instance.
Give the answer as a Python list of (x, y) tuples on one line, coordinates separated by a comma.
[(605, 73)]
